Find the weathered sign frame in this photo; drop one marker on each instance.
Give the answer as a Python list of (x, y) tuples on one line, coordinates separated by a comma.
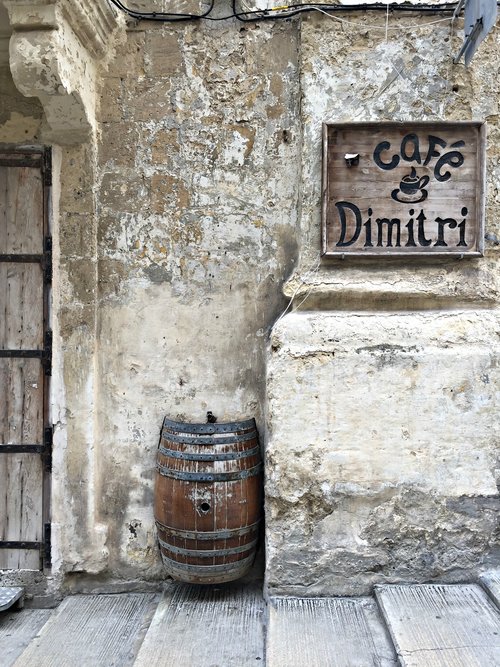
[(353, 160)]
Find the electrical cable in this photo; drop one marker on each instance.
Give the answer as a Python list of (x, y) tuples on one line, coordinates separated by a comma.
[(282, 12), (161, 16), (294, 10), (386, 27), (309, 275)]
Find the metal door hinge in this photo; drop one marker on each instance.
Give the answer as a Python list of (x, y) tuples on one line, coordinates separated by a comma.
[(47, 167), (47, 448), (47, 547), (47, 353), (47, 259)]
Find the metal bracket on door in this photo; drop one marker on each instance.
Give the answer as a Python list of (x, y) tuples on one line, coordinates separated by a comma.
[(47, 353), (47, 545), (44, 547), (47, 260), (19, 544), (47, 166), (27, 448), (44, 355), (47, 448)]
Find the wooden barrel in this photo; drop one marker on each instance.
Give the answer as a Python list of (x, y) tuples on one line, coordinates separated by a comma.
[(208, 499)]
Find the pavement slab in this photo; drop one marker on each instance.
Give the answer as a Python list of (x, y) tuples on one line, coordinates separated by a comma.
[(91, 631), (17, 629), (327, 632), (491, 583), (441, 625), (205, 626)]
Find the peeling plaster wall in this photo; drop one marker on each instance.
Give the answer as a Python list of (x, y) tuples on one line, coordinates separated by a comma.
[(393, 476), (176, 227), (20, 117), (382, 458), (178, 235), (197, 199)]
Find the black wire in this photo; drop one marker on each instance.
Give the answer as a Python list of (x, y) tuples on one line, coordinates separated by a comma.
[(161, 16), (290, 11), (379, 6)]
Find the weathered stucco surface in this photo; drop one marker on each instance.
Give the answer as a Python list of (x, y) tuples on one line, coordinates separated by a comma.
[(382, 447), (197, 203), (391, 432), (174, 227), (191, 189)]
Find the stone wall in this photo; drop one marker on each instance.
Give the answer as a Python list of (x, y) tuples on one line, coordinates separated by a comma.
[(382, 453), (178, 215), (174, 218), (20, 117), (197, 195)]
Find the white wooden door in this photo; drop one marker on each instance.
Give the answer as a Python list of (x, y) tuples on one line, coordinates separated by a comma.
[(25, 346)]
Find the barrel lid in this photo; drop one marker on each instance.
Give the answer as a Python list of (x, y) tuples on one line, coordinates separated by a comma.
[(227, 427)]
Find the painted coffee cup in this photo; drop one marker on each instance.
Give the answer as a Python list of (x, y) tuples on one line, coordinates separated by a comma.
[(410, 184)]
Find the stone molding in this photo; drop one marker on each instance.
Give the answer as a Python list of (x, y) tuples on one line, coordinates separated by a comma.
[(58, 49)]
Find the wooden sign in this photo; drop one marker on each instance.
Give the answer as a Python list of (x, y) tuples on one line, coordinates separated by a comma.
[(394, 189)]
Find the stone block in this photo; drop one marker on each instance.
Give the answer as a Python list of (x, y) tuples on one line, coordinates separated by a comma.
[(326, 632), (148, 99), (382, 447), (441, 625), (163, 54), (110, 99), (77, 182), (112, 274), (77, 236), (129, 58), (168, 192), (279, 53), (164, 145), (20, 129), (11, 99), (118, 144), (171, 6), (80, 279), (124, 192), (75, 317), (110, 234)]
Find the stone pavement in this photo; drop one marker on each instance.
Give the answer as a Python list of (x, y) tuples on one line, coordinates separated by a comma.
[(224, 626)]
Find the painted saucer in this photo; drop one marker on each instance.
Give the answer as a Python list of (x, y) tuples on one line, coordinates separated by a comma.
[(399, 196)]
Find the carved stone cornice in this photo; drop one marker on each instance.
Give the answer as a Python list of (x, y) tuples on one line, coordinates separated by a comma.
[(57, 50)]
